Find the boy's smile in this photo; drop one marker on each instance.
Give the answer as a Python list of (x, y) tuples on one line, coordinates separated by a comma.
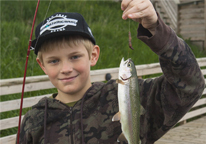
[(68, 79), (68, 68)]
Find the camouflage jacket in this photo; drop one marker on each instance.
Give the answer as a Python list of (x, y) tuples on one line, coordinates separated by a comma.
[(166, 99)]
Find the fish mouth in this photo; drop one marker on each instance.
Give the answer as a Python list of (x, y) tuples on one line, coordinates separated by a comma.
[(124, 79)]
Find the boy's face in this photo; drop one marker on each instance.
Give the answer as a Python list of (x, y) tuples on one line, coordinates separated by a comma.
[(68, 68)]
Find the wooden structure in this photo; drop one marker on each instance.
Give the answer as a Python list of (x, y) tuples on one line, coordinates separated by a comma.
[(168, 11), (191, 21), (186, 17), (190, 133), (36, 83)]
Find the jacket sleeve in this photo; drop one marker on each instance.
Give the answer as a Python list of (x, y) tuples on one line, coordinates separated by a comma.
[(167, 98)]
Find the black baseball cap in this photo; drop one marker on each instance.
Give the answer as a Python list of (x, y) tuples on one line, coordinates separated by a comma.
[(61, 24)]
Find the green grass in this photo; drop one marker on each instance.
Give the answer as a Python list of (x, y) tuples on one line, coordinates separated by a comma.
[(104, 18)]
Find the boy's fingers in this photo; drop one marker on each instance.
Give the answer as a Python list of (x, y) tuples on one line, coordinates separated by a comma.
[(138, 15), (134, 7), (124, 4), (140, 11)]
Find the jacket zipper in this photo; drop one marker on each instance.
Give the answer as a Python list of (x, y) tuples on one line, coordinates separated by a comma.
[(71, 126)]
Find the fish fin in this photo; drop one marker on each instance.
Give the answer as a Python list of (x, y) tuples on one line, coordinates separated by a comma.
[(122, 138), (119, 81), (116, 117)]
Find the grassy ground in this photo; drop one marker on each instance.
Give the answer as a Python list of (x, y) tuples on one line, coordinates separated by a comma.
[(104, 18)]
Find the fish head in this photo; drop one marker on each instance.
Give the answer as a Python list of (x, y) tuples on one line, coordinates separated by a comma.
[(127, 69)]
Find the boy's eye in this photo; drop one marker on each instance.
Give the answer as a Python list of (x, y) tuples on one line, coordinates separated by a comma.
[(75, 57), (53, 61)]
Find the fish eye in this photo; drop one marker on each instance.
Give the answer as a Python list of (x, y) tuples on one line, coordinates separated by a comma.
[(129, 64)]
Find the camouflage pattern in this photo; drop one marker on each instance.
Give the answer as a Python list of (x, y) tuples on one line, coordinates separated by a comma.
[(166, 99)]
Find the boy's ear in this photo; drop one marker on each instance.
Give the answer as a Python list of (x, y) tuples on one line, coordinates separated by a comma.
[(95, 55), (41, 65)]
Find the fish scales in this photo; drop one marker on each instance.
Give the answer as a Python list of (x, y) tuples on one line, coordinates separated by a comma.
[(129, 101)]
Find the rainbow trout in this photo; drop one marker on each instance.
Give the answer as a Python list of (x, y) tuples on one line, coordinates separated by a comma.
[(129, 103)]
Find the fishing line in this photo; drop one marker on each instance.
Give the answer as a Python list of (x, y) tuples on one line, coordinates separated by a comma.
[(43, 21), (34, 58)]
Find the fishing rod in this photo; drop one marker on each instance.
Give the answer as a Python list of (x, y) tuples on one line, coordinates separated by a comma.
[(25, 70)]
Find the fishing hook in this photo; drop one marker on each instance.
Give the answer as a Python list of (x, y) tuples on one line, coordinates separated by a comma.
[(130, 41), (130, 38)]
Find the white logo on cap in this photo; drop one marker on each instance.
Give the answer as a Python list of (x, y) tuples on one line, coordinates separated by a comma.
[(57, 23), (90, 31)]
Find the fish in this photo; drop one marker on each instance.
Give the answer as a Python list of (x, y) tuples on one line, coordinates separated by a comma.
[(129, 103)]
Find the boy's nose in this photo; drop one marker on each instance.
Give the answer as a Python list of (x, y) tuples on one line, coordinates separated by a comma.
[(66, 68)]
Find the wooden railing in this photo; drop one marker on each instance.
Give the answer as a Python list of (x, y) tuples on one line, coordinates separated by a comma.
[(35, 83)]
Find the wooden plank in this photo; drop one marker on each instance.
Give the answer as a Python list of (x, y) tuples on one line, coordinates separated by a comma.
[(5, 90), (192, 21), (186, 1), (193, 35), (8, 139), (200, 102), (193, 114), (193, 38), (15, 104), (198, 31), (191, 10), (202, 62), (204, 92), (193, 27), (10, 122), (191, 16), (29, 79), (204, 71), (192, 5)]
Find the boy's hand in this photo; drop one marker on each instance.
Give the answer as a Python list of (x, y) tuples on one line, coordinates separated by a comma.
[(141, 11)]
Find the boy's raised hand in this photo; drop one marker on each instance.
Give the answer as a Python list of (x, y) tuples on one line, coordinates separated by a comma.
[(141, 11)]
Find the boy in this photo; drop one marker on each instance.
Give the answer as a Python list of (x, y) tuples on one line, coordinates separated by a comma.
[(82, 112)]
